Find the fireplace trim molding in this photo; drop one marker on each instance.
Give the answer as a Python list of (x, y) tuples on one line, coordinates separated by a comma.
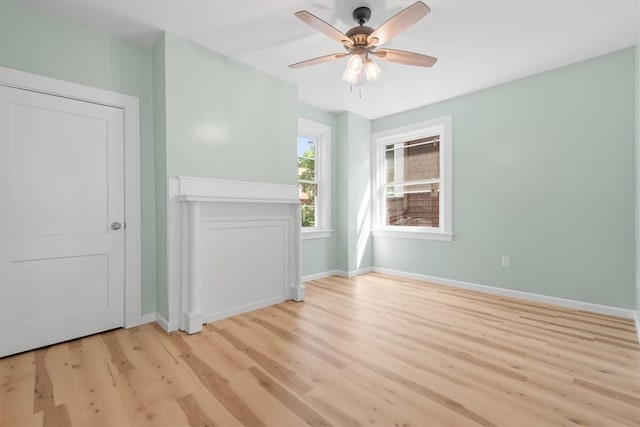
[(191, 203)]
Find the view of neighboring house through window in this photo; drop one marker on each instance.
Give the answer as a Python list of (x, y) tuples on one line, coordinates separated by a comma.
[(413, 183), (412, 195), (307, 182)]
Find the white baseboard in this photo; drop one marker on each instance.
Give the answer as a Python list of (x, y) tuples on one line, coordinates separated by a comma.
[(340, 273), (160, 320), (579, 305), (212, 317), (148, 318), (359, 272), (166, 325), (322, 275)]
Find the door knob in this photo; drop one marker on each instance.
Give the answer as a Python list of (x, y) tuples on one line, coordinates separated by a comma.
[(116, 226)]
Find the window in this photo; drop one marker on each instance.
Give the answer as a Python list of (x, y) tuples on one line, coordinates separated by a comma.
[(412, 176), (314, 178)]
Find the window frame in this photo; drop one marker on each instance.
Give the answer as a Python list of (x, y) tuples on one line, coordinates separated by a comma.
[(322, 135), (441, 126)]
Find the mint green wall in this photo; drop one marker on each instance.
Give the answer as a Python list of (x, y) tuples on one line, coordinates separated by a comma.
[(160, 161), (543, 171), (42, 44), (353, 174), (217, 118), (226, 119), (319, 255), (359, 192), (342, 191)]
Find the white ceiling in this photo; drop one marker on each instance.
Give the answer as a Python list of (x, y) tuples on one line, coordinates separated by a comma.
[(479, 43)]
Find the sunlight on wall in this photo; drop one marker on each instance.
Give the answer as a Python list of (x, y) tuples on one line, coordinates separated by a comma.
[(363, 230), (212, 133)]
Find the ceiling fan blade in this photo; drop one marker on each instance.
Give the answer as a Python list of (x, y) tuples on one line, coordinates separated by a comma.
[(404, 57), (398, 23), (324, 27), (318, 60)]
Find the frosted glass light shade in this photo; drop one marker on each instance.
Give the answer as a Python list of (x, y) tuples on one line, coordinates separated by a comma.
[(372, 70), (351, 76), (355, 63)]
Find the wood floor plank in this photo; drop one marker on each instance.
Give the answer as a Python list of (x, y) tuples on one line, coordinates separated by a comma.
[(57, 416), (17, 390), (289, 399), (370, 350), (43, 391), (284, 374), (118, 358), (220, 388), (194, 413)]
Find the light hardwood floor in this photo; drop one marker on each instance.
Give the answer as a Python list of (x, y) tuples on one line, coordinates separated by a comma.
[(373, 350)]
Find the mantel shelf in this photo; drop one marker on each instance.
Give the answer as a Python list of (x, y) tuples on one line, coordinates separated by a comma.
[(216, 199)]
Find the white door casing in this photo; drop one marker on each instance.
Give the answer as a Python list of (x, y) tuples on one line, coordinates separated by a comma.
[(64, 271)]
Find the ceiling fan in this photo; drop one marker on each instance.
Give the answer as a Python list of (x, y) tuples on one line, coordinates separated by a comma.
[(362, 42)]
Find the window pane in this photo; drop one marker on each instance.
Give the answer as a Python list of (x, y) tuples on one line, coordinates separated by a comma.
[(421, 209), (306, 158), (307, 194), (306, 169), (308, 216), (306, 147), (390, 165), (413, 160)]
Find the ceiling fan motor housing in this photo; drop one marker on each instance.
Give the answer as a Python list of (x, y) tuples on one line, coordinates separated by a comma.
[(359, 34)]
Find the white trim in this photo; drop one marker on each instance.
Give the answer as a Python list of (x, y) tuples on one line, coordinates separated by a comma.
[(165, 324), (148, 318), (442, 126), (193, 317), (241, 309), (322, 135), (131, 112), (413, 234), (340, 273), (322, 275), (360, 271), (315, 234), (636, 319), (192, 189), (212, 196), (578, 305)]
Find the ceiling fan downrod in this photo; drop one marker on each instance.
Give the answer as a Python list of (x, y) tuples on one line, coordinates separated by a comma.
[(361, 15)]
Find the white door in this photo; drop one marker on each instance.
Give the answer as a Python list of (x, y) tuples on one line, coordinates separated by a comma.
[(61, 190)]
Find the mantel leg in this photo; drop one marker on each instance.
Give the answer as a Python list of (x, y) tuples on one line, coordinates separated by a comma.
[(193, 317), (296, 287)]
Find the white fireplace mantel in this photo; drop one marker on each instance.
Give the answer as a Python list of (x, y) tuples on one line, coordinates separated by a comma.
[(233, 247)]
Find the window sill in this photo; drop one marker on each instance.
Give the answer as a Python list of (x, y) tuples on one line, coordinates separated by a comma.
[(414, 234), (315, 234)]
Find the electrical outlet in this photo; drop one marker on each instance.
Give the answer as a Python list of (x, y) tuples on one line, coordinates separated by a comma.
[(506, 261)]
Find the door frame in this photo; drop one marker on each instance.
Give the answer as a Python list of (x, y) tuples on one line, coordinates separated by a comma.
[(131, 110)]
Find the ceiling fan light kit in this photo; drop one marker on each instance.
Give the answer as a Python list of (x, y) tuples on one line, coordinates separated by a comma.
[(361, 42)]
